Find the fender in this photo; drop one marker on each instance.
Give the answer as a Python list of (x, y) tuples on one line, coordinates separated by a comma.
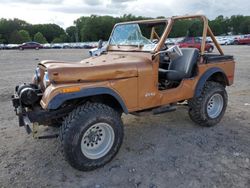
[(59, 99), (205, 77)]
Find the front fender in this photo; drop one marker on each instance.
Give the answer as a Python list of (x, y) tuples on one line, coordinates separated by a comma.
[(59, 99)]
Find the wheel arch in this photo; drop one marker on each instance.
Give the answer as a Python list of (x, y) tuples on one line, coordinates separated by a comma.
[(100, 94), (213, 74)]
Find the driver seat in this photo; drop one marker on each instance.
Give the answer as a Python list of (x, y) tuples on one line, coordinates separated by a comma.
[(182, 67)]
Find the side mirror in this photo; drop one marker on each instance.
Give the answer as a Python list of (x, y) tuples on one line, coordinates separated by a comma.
[(100, 44), (173, 52)]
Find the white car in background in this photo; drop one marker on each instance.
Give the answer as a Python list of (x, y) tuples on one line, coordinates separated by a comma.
[(225, 41), (101, 47), (2, 46)]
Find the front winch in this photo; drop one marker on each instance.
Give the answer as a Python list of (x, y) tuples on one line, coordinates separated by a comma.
[(28, 94)]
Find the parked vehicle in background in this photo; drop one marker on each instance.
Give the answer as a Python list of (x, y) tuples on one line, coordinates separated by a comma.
[(225, 41), (242, 40), (47, 46), (30, 45), (209, 40), (66, 46), (11, 46), (87, 46), (57, 46), (2, 46), (194, 42), (170, 41)]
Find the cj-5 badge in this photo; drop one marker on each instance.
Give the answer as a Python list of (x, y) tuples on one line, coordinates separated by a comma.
[(149, 94)]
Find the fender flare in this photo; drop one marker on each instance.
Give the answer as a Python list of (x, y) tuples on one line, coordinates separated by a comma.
[(59, 99), (205, 77)]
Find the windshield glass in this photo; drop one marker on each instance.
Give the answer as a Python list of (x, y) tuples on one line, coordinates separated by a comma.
[(137, 35)]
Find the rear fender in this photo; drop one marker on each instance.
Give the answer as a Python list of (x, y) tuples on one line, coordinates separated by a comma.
[(207, 76)]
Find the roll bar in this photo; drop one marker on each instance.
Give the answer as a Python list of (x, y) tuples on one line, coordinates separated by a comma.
[(206, 31)]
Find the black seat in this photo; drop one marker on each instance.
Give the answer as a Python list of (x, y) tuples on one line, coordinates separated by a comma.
[(182, 67)]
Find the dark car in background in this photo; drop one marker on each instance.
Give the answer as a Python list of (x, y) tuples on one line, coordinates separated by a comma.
[(30, 45), (194, 42)]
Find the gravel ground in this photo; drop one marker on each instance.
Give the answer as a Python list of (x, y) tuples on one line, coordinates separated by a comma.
[(166, 150)]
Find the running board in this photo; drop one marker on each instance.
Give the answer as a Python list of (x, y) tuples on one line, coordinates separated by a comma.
[(155, 111), (163, 109)]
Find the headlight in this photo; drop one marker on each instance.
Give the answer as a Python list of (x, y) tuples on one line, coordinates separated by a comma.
[(46, 80), (37, 75)]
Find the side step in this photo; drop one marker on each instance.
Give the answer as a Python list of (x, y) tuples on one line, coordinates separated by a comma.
[(163, 109), (155, 111)]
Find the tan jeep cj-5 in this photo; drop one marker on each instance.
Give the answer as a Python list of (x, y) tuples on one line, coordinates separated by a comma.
[(133, 74)]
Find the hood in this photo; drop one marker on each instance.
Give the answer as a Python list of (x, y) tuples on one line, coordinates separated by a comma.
[(105, 67)]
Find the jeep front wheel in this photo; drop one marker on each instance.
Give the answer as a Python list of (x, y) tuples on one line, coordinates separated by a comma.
[(209, 107), (91, 136)]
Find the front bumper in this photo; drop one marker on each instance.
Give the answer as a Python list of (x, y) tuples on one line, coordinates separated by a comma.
[(21, 112), (28, 115)]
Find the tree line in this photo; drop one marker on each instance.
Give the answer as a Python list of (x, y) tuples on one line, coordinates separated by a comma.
[(16, 31), (93, 28)]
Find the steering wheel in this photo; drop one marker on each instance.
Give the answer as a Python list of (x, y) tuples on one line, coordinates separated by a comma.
[(164, 47)]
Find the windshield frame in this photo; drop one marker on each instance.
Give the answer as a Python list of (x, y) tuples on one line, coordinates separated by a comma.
[(134, 48)]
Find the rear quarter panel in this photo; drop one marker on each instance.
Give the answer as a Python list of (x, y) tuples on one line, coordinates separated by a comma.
[(187, 87)]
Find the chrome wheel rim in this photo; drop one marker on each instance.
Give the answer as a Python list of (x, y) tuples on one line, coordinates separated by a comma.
[(215, 106), (97, 140)]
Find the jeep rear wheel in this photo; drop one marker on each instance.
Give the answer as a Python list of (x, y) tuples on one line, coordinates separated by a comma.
[(209, 107), (91, 136)]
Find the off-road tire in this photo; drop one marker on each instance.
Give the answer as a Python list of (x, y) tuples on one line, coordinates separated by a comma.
[(77, 123), (55, 123), (198, 106)]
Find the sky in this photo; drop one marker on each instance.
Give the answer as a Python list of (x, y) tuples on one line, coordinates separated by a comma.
[(64, 12)]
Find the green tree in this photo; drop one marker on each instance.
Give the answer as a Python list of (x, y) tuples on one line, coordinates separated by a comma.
[(93, 28), (216, 27), (57, 40), (235, 22), (220, 25), (8, 26), (72, 34), (25, 36), (38, 37), (180, 28), (15, 38), (64, 38), (245, 26), (1, 39), (49, 31)]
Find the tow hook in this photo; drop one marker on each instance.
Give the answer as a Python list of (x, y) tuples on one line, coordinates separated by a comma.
[(35, 128)]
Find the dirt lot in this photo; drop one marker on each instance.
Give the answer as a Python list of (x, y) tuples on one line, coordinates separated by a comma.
[(166, 150)]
